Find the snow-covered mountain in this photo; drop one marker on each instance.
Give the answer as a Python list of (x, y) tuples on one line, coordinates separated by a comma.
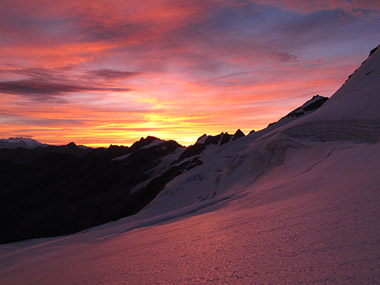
[(19, 142), (296, 202)]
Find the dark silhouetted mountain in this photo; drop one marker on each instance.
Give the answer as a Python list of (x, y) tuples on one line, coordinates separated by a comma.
[(239, 134), (144, 142), (64, 189), (25, 155), (111, 152)]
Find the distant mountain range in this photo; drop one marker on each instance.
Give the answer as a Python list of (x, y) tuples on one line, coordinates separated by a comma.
[(54, 190)]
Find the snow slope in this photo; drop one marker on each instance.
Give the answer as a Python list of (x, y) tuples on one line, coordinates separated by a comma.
[(19, 142), (299, 203)]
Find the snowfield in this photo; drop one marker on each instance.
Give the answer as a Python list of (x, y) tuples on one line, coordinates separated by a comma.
[(297, 203), (13, 143)]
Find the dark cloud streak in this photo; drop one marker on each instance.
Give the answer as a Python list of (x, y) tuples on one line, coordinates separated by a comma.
[(111, 74), (24, 120), (48, 85), (46, 91), (61, 74)]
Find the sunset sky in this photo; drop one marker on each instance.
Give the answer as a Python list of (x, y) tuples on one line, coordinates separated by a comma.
[(110, 72)]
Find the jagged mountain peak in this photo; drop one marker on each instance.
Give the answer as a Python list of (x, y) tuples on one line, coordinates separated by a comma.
[(238, 134), (144, 142), (71, 144), (220, 139)]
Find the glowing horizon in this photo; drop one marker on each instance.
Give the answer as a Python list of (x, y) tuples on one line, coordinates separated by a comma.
[(111, 72)]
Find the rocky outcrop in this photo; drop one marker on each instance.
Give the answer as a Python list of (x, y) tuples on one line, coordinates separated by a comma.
[(307, 108), (239, 134), (192, 150), (311, 105)]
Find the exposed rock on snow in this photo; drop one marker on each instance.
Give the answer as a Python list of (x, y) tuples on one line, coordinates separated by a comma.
[(313, 104), (307, 108), (239, 134), (192, 151)]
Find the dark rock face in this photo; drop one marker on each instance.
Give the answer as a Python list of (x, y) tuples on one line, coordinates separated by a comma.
[(220, 139), (316, 104), (373, 50), (143, 142), (204, 141), (192, 151), (213, 139), (112, 152), (311, 105), (239, 134), (225, 138)]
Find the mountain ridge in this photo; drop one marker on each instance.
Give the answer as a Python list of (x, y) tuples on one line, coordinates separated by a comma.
[(95, 175)]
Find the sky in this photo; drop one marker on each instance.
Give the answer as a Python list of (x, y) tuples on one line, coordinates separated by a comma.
[(110, 72)]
